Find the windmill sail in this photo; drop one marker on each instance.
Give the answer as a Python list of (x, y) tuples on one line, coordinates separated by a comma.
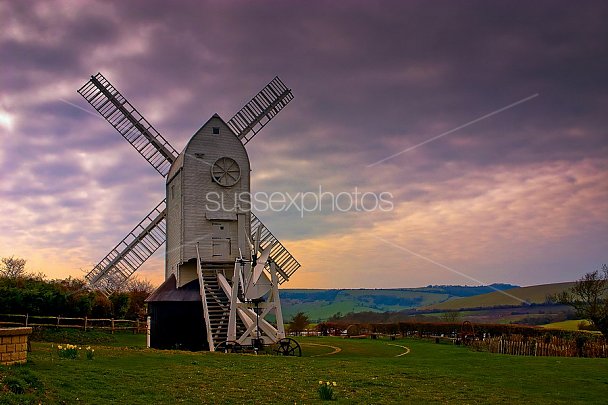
[(286, 264), (260, 110), (116, 268), (108, 101)]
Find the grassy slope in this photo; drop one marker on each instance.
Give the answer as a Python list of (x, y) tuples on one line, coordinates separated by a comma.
[(565, 325), (366, 372), (533, 294), (322, 304), (356, 301)]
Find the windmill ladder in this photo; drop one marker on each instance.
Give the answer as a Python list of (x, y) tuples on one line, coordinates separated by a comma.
[(216, 307)]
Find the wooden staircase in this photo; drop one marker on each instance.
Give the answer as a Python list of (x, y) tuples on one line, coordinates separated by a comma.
[(218, 308)]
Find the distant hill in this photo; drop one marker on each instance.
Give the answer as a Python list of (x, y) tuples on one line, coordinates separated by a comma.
[(535, 294), (320, 305)]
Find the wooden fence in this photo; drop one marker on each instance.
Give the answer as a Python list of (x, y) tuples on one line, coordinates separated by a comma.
[(85, 323), (554, 346)]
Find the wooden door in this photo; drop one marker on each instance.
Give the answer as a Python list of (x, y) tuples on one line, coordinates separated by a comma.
[(220, 239)]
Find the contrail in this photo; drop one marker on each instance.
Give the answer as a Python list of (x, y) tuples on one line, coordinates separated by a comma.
[(483, 117)]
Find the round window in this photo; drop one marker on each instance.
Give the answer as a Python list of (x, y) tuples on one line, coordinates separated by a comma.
[(226, 172)]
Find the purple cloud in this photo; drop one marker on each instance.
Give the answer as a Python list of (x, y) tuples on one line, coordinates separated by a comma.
[(369, 80)]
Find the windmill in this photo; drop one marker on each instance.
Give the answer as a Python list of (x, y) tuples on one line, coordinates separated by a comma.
[(223, 267)]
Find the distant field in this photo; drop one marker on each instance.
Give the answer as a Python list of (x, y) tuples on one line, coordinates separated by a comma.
[(358, 301), (366, 371), (534, 294), (565, 325), (320, 305)]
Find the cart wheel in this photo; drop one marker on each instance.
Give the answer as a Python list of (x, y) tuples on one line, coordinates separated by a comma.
[(287, 347)]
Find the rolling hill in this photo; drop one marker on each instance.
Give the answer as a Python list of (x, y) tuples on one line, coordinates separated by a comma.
[(536, 294), (320, 305)]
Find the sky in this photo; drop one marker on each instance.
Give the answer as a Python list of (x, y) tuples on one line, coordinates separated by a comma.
[(495, 112)]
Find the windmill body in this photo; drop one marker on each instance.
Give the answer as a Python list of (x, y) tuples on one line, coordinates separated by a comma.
[(223, 267), (206, 186)]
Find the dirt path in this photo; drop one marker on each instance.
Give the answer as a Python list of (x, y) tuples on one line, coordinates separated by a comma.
[(336, 349), (407, 349)]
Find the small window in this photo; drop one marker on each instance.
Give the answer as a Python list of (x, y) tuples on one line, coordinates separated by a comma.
[(216, 130), (172, 191)]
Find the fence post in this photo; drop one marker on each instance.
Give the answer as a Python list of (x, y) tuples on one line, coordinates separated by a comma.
[(148, 322), (112, 326), (27, 318), (58, 318), (85, 323), (136, 327)]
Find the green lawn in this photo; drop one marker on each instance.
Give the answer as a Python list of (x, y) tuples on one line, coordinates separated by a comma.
[(367, 371)]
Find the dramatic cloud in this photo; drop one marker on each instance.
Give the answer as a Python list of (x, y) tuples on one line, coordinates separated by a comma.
[(521, 196)]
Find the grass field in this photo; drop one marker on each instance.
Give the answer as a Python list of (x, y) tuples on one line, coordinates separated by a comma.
[(566, 325), (534, 294), (366, 371)]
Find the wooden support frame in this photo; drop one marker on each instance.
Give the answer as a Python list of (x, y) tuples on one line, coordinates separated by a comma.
[(256, 326)]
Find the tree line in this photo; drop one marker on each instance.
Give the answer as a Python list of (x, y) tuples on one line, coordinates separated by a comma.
[(33, 294)]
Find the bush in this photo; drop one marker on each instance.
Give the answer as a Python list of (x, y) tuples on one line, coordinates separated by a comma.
[(584, 325), (70, 297), (450, 329)]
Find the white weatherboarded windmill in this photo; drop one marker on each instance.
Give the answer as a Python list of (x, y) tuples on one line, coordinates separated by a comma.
[(223, 267)]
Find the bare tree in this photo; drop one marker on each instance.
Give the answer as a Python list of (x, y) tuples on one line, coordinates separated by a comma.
[(142, 285), (12, 267), (589, 297), (138, 289)]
